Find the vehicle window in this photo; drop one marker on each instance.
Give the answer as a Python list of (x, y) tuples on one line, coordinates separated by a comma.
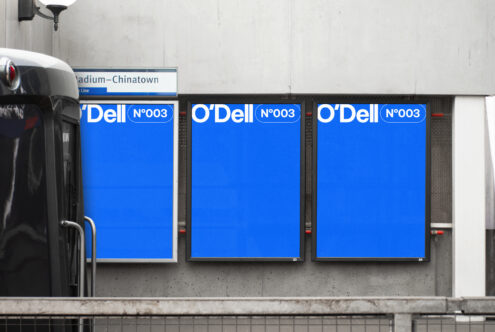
[(23, 215)]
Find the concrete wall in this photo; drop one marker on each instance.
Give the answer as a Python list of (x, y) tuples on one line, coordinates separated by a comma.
[(292, 46), (280, 47), (33, 35), (280, 279), (298, 47), (306, 278)]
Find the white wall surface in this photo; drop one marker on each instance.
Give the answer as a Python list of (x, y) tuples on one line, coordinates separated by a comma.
[(292, 46), (33, 35), (490, 158), (469, 192)]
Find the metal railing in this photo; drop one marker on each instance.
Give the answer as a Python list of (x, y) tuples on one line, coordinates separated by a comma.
[(457, 323), (301, 314), (205, 324)]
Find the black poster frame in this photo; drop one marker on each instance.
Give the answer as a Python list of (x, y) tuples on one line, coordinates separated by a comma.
[(314, 178), (244, 100)]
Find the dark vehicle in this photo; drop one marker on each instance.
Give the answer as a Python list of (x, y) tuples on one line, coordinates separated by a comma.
[(41, 206)]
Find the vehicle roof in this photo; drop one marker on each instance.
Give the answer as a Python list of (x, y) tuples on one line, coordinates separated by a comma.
[(41, 75)]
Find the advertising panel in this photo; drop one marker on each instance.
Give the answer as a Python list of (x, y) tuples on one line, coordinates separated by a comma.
[(129, 157), (371, 182), (245, 179)]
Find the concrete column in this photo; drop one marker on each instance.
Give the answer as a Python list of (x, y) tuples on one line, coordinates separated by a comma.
[(468, 164), (402, 323)]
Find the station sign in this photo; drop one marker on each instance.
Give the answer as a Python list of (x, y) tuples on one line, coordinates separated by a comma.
[(126, 82)]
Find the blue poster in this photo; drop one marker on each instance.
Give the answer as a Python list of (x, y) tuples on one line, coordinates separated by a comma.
[(129, 155), (371, 181), (245, 185)]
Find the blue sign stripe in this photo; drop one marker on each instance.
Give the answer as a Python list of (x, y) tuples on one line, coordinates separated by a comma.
[(104, 92)]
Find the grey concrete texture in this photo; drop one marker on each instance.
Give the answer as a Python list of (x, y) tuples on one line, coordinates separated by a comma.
[(3, 27), (302, 314), (33, 35), (307, 278), (240, 306), (402, 307), (402, 323), (292, 46), (266, 279)]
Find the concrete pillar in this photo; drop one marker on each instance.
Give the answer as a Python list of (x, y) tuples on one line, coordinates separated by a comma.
[(402, 323), (468, 165)]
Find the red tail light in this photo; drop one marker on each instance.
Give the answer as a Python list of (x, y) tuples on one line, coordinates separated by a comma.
[(12, 73), (9, 73)]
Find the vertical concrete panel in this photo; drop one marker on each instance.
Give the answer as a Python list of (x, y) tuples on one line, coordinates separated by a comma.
[(491, 43), (218, 45), (2, 22), (468, 143), (41, 36), (232, 46), (15, 29), (413, 47), (35, 35), (290, 46), (112, 33), (367, 45), (454, 41)]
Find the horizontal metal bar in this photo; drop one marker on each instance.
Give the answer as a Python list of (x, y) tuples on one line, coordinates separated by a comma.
[(226, 306), (440, 225)]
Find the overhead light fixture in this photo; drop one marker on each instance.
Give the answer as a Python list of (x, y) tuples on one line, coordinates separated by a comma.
[(28, 8)]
